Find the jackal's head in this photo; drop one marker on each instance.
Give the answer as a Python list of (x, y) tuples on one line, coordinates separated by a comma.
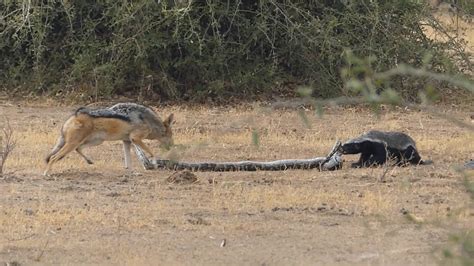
[(166, 141)]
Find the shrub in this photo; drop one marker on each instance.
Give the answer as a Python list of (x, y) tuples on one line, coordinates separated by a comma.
[(196, 49)]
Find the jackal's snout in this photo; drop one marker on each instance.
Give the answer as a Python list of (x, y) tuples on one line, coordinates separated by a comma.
[(166, 141)]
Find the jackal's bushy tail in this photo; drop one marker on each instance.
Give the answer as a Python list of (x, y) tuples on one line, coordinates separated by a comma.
[(59, 144)]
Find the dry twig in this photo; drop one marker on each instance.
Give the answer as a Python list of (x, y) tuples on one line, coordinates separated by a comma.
[(7, 144)]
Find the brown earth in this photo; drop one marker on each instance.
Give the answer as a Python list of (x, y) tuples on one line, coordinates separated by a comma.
[(102, 214)]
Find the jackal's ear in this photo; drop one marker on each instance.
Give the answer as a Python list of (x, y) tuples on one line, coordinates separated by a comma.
[(170, 120)]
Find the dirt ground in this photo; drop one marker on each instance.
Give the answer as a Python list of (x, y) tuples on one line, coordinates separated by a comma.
[(103, 214)]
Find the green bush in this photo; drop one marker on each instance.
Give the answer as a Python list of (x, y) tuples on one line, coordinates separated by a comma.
[(467, 6), (196, 49)]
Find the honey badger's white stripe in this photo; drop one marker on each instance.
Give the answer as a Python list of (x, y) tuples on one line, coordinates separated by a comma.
[(396, 140)]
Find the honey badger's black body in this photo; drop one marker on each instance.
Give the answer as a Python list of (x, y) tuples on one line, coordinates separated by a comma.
[(377, 147)]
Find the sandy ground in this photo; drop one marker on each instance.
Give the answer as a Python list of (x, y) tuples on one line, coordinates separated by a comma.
[(103, 214)]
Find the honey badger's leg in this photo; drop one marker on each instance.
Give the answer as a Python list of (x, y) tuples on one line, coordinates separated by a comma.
[(396, 157), (354, 147), (373, 154), (374, 160), (364, 157), (380, 154)]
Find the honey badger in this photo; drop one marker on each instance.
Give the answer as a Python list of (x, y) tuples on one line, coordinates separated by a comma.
[(378, 147)]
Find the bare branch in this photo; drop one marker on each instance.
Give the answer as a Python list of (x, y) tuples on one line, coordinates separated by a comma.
[(403, 69)]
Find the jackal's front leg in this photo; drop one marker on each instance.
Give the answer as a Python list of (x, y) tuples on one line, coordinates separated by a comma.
[(137, 139), (126, 153)]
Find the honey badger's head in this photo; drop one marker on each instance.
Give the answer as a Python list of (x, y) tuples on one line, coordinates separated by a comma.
[(351, 147)]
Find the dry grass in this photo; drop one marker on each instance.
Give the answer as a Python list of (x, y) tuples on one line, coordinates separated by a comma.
[(457, 24), (343, 217)]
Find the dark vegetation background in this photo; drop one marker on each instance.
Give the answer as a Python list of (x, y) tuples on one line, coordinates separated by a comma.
[(215, 50)]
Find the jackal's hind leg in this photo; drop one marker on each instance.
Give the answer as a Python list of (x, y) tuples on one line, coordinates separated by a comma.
[(79, 150), (67, 148)]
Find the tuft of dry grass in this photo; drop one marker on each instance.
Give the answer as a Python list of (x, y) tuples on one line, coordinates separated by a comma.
[(7, 144)]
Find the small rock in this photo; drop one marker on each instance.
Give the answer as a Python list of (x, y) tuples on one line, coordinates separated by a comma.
[(211, 181), (113, 194), (404, 211), (198, 221)]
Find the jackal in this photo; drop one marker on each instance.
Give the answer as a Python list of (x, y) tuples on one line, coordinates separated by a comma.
[(128, 122)]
